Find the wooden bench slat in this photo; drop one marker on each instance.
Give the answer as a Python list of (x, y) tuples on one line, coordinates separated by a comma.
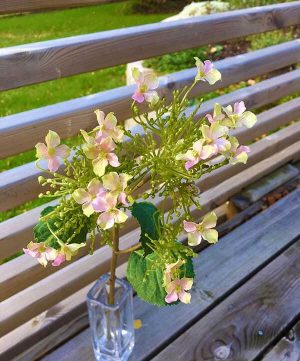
[(239, 254), (59, 58), (15, 314), (17, 231), (288, 348), (68, 117), (250, 319), (22, 6)]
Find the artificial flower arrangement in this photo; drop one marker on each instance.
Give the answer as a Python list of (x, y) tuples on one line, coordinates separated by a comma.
[(116, 171)]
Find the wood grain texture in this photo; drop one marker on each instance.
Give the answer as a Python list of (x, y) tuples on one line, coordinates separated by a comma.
[(248, 321), (68, 117), (22, 6), (209, 201), (288, 348), (219, 269), (38, 62), (17, 231)]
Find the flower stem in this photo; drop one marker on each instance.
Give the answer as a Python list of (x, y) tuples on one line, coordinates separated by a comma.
[(113, 264), (130, 249)]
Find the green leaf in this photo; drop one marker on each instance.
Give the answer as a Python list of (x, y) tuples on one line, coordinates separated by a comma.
[(149, 219), (148, 285), (148, 281), (42, 233)]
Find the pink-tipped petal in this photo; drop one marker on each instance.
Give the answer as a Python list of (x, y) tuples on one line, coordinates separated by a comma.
[(171, 297), (138, 96), (189, 226), (106, 220), (113, 160), (207, 67), (239, 108), (41, 151), (100, 204), (59, 260), (53, 164)]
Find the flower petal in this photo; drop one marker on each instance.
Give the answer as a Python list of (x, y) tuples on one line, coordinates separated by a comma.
[(138, 96), (186, 283), (59, 260), (113, 160), (53, 164), (41, 151), (209, 220), (111, 181), (63, 151), (194, 239), (94, 187), (248, 119), (184, 297), (189, 226), (213, 76), (81, 196), (120, 216), (88, 209), (171, 297), (106, 220), (99, 166), (210, 235), (100, 115), (52, 139)]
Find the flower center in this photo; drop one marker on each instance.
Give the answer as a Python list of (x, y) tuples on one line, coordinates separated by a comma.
[(51, 151), (143, 88)]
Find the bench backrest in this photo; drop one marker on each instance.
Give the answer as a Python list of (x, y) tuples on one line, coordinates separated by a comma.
[(37, 301)]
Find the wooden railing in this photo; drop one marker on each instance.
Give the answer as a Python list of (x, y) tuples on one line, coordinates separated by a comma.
[(54, 298), (23, 6)]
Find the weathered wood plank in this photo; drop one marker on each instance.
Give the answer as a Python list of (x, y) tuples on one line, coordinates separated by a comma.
[(248, 321), (210, 200), (255, 242), (68, 117), (38, 62), (288, 348), (15, 232), (22, 6)]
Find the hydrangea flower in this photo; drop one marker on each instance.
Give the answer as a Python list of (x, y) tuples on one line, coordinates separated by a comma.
[(117, 183), (42, 253), (217, 114), (214, 136), (66, 252), (100, 150), (238, 116), (206, 71), (238, 153), (199, 151), (94, 191), (202, 230), (146, 83), (52, 151), (177, 290), (108, 126), (171, 271), (110, 213)]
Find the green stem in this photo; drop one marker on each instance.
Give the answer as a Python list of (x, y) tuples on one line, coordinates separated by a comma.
[(113, 264)]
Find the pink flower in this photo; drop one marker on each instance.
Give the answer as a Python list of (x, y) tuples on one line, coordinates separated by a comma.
[(193, 157), (237, 153), (66, 252), (202, 230), (42, 253), (172, 271), (177, 290), (100, 150), (238, 116), (146, 83), (111, 214), (214, 136), (117, 183), (94, 191), (206, 71), (52, 151), (217, 114), (108, 126)]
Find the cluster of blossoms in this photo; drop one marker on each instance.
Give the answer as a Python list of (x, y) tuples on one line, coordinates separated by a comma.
[(112, 168)]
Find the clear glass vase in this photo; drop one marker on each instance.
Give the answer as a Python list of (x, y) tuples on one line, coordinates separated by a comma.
[(111, 325)]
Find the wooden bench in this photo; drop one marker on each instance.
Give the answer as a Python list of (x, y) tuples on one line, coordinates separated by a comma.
[(41, 308)]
